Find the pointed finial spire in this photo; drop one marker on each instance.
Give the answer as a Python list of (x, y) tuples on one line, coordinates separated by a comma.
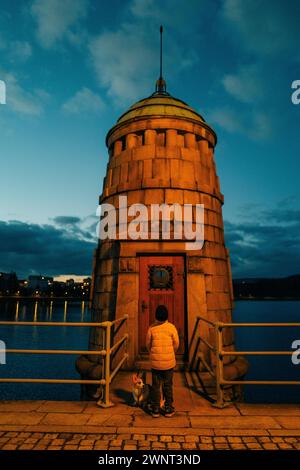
[(161, 86), (161, 38)]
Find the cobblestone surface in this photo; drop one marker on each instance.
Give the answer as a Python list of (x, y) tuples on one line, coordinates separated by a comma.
[(68, 441)]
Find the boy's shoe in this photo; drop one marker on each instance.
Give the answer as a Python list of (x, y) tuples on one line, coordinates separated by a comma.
[(169, 412), (155, 412)]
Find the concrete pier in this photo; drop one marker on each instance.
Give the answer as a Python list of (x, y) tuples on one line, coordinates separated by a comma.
[(58, 425)]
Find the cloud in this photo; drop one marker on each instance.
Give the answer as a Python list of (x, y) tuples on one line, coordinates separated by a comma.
[(282, 214), (20, 51), (246, 84), (266, 36), (126, 60), (57, 20), (15, 51), (30, 248), (268, 247), (119, 61), (20, 100), (265, 242), (83, 102), (66, 220), (256, 125), (225, 118), (76, 227), (174, 14), (261, 126), (263, 27), (254, 112), (143, 8)]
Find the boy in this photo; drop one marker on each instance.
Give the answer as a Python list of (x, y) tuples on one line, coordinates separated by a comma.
[(162, 342)]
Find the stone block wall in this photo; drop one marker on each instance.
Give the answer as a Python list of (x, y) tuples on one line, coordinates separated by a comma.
[(154, 161)]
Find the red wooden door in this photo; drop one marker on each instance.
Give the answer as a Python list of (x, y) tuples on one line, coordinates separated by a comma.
[(161, 283)]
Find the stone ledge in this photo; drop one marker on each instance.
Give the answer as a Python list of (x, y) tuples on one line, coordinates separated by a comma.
[(65, 419), (165, 431), (180, 420), (232, 422), (284, 432), (60, 407), (56, 428), (241, 432), (12, 427), (200, 411), (108, 421), (289, 422), (9, 417), (21, 406), (247, 409)]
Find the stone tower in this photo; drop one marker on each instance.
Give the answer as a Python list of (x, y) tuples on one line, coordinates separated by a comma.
[(162, 151)]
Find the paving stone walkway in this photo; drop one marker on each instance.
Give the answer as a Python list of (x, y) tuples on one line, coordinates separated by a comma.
[(56, 425), (122, 441)]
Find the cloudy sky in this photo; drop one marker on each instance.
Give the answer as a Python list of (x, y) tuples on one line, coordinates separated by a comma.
[(72, 67)]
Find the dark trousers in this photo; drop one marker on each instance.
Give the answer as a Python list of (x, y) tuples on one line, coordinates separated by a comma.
[(162, 378)]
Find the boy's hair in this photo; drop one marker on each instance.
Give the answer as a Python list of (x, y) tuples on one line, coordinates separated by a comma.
[(161, 313)]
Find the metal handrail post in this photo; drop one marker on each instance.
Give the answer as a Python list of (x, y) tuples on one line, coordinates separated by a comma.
[(105, 402), (220, 402)]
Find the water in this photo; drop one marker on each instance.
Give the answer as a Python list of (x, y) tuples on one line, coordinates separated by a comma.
[(62, 366), (42, 337), (269, 339)]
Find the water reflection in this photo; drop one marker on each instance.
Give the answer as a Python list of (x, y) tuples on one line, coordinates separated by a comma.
[(83, 309), (40, 310), (65, 310), (23, 312), (17, 311), (50, 310), (35, 311)]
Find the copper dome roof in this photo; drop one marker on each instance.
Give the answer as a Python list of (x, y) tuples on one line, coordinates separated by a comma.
[(160, 105)]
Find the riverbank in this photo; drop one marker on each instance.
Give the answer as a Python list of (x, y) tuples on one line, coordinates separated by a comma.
[(45, 298), (281, 299)]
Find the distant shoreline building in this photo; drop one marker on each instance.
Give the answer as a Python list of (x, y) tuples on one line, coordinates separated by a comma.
[(8, 283), (40, 283), (39, 286)]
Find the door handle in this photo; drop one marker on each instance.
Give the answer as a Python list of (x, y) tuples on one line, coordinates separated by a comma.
[(144, 306)]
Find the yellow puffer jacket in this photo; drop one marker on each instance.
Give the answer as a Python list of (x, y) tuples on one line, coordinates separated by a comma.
[(162, 342)]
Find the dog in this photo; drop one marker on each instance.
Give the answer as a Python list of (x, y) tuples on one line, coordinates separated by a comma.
[(142, 391)]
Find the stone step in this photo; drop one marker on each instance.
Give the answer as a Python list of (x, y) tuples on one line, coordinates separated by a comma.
[(144, 364)]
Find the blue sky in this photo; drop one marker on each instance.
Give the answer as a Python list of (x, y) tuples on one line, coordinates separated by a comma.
[(72, 67)]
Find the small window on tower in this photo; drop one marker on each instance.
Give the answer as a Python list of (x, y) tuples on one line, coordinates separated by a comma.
[(161, 277)]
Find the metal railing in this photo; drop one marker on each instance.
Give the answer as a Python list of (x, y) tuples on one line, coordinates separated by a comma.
[(106, 354), (218, 373)]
